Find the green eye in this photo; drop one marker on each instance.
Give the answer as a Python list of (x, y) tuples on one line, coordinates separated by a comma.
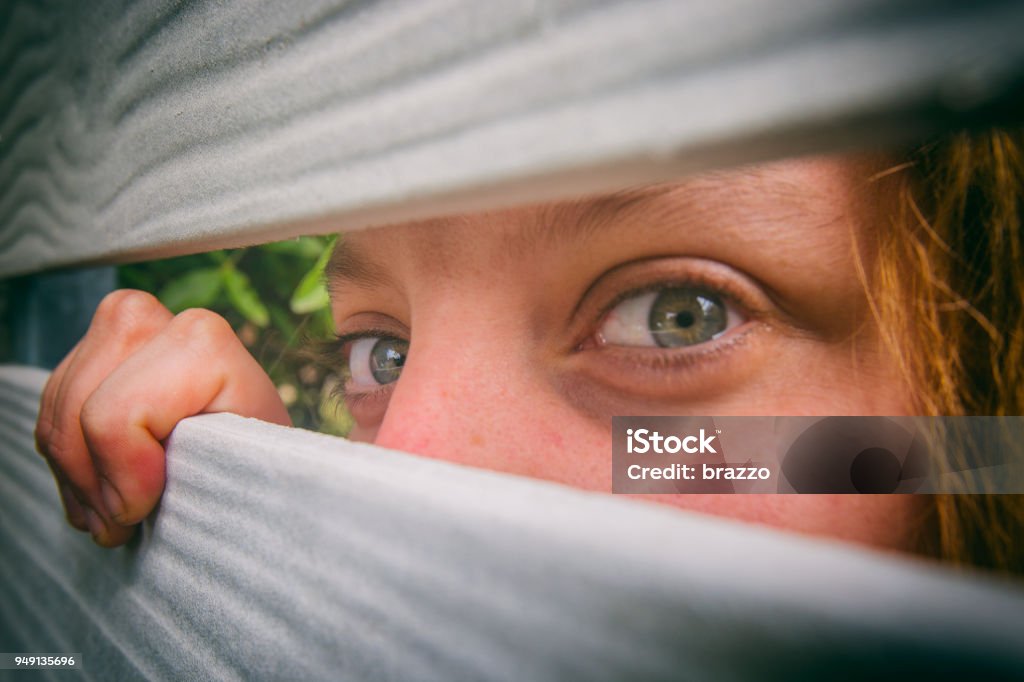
[(673, 317), (683, 317), (375, 361), (386, 359)]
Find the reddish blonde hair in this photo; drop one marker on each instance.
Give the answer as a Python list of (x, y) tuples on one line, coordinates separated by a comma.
[(948, 292)]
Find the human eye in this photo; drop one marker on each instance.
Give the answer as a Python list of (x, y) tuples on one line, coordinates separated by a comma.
[(669, 316), (668, 328), (372, 362)]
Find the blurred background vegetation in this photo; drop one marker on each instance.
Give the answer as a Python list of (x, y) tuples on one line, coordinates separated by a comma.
[(275, 298)]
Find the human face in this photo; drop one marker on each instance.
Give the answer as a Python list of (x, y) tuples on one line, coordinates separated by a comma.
[(508, 340)]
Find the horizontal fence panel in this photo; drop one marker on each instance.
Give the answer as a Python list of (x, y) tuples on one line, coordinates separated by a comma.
[(154, 128), (283, 554)]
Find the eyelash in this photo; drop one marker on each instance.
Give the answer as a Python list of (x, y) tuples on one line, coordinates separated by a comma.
[(722, 289), (337, 347)]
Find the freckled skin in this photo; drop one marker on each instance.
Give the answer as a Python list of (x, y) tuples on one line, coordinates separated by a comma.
[(489, 326)]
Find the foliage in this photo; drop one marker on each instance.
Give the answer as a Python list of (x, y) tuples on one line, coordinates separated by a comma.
[(275, 298)]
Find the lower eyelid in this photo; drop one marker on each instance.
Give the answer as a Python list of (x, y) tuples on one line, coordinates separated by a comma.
[(355, 393), (367, 406), (664, 359), (696, 353), (654, 373)]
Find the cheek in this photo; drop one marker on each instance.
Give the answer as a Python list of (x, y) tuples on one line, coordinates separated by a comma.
[(855, 377), (577, 452), (807, 377), (549, 441), (795, 375)]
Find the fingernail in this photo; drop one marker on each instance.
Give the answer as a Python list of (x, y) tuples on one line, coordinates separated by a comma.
[(112, 499), (94, 522), (75, 514)]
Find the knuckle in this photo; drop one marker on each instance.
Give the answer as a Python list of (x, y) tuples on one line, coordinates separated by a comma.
[(125, 309), (203, 328), (99, 423), (57, 444)]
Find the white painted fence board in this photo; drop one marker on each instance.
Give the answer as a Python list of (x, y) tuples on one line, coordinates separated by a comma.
[(133, 130), (283, 554)]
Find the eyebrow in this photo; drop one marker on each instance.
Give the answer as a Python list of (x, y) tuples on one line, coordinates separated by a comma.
[(350, 265), (562, 222), (576, 220)]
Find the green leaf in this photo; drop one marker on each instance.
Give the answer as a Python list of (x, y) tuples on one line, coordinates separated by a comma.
[(303, 247), (195, 289), (243, 297), (311, 293)]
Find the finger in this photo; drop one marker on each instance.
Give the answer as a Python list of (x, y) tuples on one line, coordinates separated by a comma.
[(85, 518), (195, 365), (123, 322), (73, 509), (48, 400)]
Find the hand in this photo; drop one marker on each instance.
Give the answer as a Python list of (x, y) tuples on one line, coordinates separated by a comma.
[(135, 374)]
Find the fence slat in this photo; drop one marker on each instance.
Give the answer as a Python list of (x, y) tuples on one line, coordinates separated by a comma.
[(283, 554), (136, 130)]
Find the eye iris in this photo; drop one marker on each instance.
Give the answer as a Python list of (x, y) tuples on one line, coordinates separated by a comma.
[(387, 359), (683, 317)]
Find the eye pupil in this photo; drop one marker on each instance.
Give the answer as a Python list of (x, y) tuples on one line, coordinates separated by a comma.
[(685, 317), (387, 359)]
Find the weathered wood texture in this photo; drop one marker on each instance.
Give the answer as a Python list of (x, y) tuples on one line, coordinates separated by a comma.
[(283, 554), (133, 130)]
